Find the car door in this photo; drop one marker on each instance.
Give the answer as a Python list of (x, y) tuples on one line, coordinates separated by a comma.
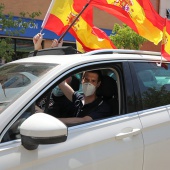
[(111, 143), (114, 143), (155, 99)]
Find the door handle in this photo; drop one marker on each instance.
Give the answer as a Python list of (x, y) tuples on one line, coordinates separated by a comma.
[(128, 132)]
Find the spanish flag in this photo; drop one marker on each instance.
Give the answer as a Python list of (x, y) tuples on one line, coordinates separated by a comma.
[(165, 49), (79, 47), (62, 13), (137, 14)]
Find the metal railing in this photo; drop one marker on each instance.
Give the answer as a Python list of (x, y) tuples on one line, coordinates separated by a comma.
[(121, 51)]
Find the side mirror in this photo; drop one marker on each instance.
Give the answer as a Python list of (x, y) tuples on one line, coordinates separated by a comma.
[(41, 128)]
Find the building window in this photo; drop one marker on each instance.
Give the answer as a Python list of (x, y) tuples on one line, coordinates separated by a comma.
[(21, 47), (168, 13)]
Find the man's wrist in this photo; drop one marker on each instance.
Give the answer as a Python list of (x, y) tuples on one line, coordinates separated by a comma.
[(37, 47), (35, 52)]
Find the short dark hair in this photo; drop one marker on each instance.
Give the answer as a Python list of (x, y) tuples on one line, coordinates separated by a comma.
[(98, 72)]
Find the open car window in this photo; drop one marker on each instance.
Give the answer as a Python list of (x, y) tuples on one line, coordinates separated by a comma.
[(57, 105)]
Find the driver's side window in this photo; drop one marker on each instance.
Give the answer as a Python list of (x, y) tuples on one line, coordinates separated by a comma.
[(52, 102), (55, 103), (13, 132)]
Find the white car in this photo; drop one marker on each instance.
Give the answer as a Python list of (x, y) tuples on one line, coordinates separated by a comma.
[(135, 137)]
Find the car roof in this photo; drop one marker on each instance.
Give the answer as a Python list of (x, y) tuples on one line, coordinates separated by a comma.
[(96, 55)]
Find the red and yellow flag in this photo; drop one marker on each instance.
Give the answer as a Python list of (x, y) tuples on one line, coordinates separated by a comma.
[(79, 47), (165, 49), (137, 14), (57, 17), (62, 13)]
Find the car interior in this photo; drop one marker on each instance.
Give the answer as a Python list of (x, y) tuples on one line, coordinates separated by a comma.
[(154, 83), (108, 91)]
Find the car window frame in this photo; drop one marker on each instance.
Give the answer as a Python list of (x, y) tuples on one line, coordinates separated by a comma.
[(69, 72), (138, 95)]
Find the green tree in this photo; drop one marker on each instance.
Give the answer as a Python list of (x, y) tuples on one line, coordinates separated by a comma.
[(161, 95), (11, 28), (124, 37)]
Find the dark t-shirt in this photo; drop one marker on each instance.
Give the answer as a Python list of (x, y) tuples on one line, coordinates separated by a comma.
[(62, 107), (96, 110)]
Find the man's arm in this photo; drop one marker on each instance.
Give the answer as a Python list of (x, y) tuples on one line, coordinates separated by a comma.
[(55, 43), (66, 89), (37, 40), (74, 120)]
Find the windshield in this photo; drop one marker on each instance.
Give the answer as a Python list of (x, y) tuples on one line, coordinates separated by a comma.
[(16, 79)]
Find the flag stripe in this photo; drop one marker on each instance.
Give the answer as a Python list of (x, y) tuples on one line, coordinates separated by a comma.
[(166, 40), (54, 22), (89, 36), (47, 14), (137, 14), (152, 14)]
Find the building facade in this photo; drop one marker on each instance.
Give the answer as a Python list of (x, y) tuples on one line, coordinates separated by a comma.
[(102, 20)]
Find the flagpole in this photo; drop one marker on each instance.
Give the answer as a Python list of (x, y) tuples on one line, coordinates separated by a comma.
[(162, 43), (76, 18)]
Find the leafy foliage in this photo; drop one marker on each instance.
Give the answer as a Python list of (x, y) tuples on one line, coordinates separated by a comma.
[(161, 96), (6, 49), (124, 37), (11, 28)]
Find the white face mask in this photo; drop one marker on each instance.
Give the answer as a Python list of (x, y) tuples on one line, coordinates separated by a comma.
[(57, 92), (88, 89)]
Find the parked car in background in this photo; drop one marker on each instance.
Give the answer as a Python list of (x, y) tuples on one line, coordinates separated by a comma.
[(135, 137)]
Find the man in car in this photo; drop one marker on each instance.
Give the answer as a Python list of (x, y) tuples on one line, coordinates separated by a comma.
[(88, 106), (61, 107)]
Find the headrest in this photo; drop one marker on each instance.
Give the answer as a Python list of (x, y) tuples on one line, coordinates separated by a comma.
[(107, 88), (147, 75), (75, 83)]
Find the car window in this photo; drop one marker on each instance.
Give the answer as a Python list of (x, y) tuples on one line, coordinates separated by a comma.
[(16, 79), (13, 132), (154, 83), (60, 107)]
